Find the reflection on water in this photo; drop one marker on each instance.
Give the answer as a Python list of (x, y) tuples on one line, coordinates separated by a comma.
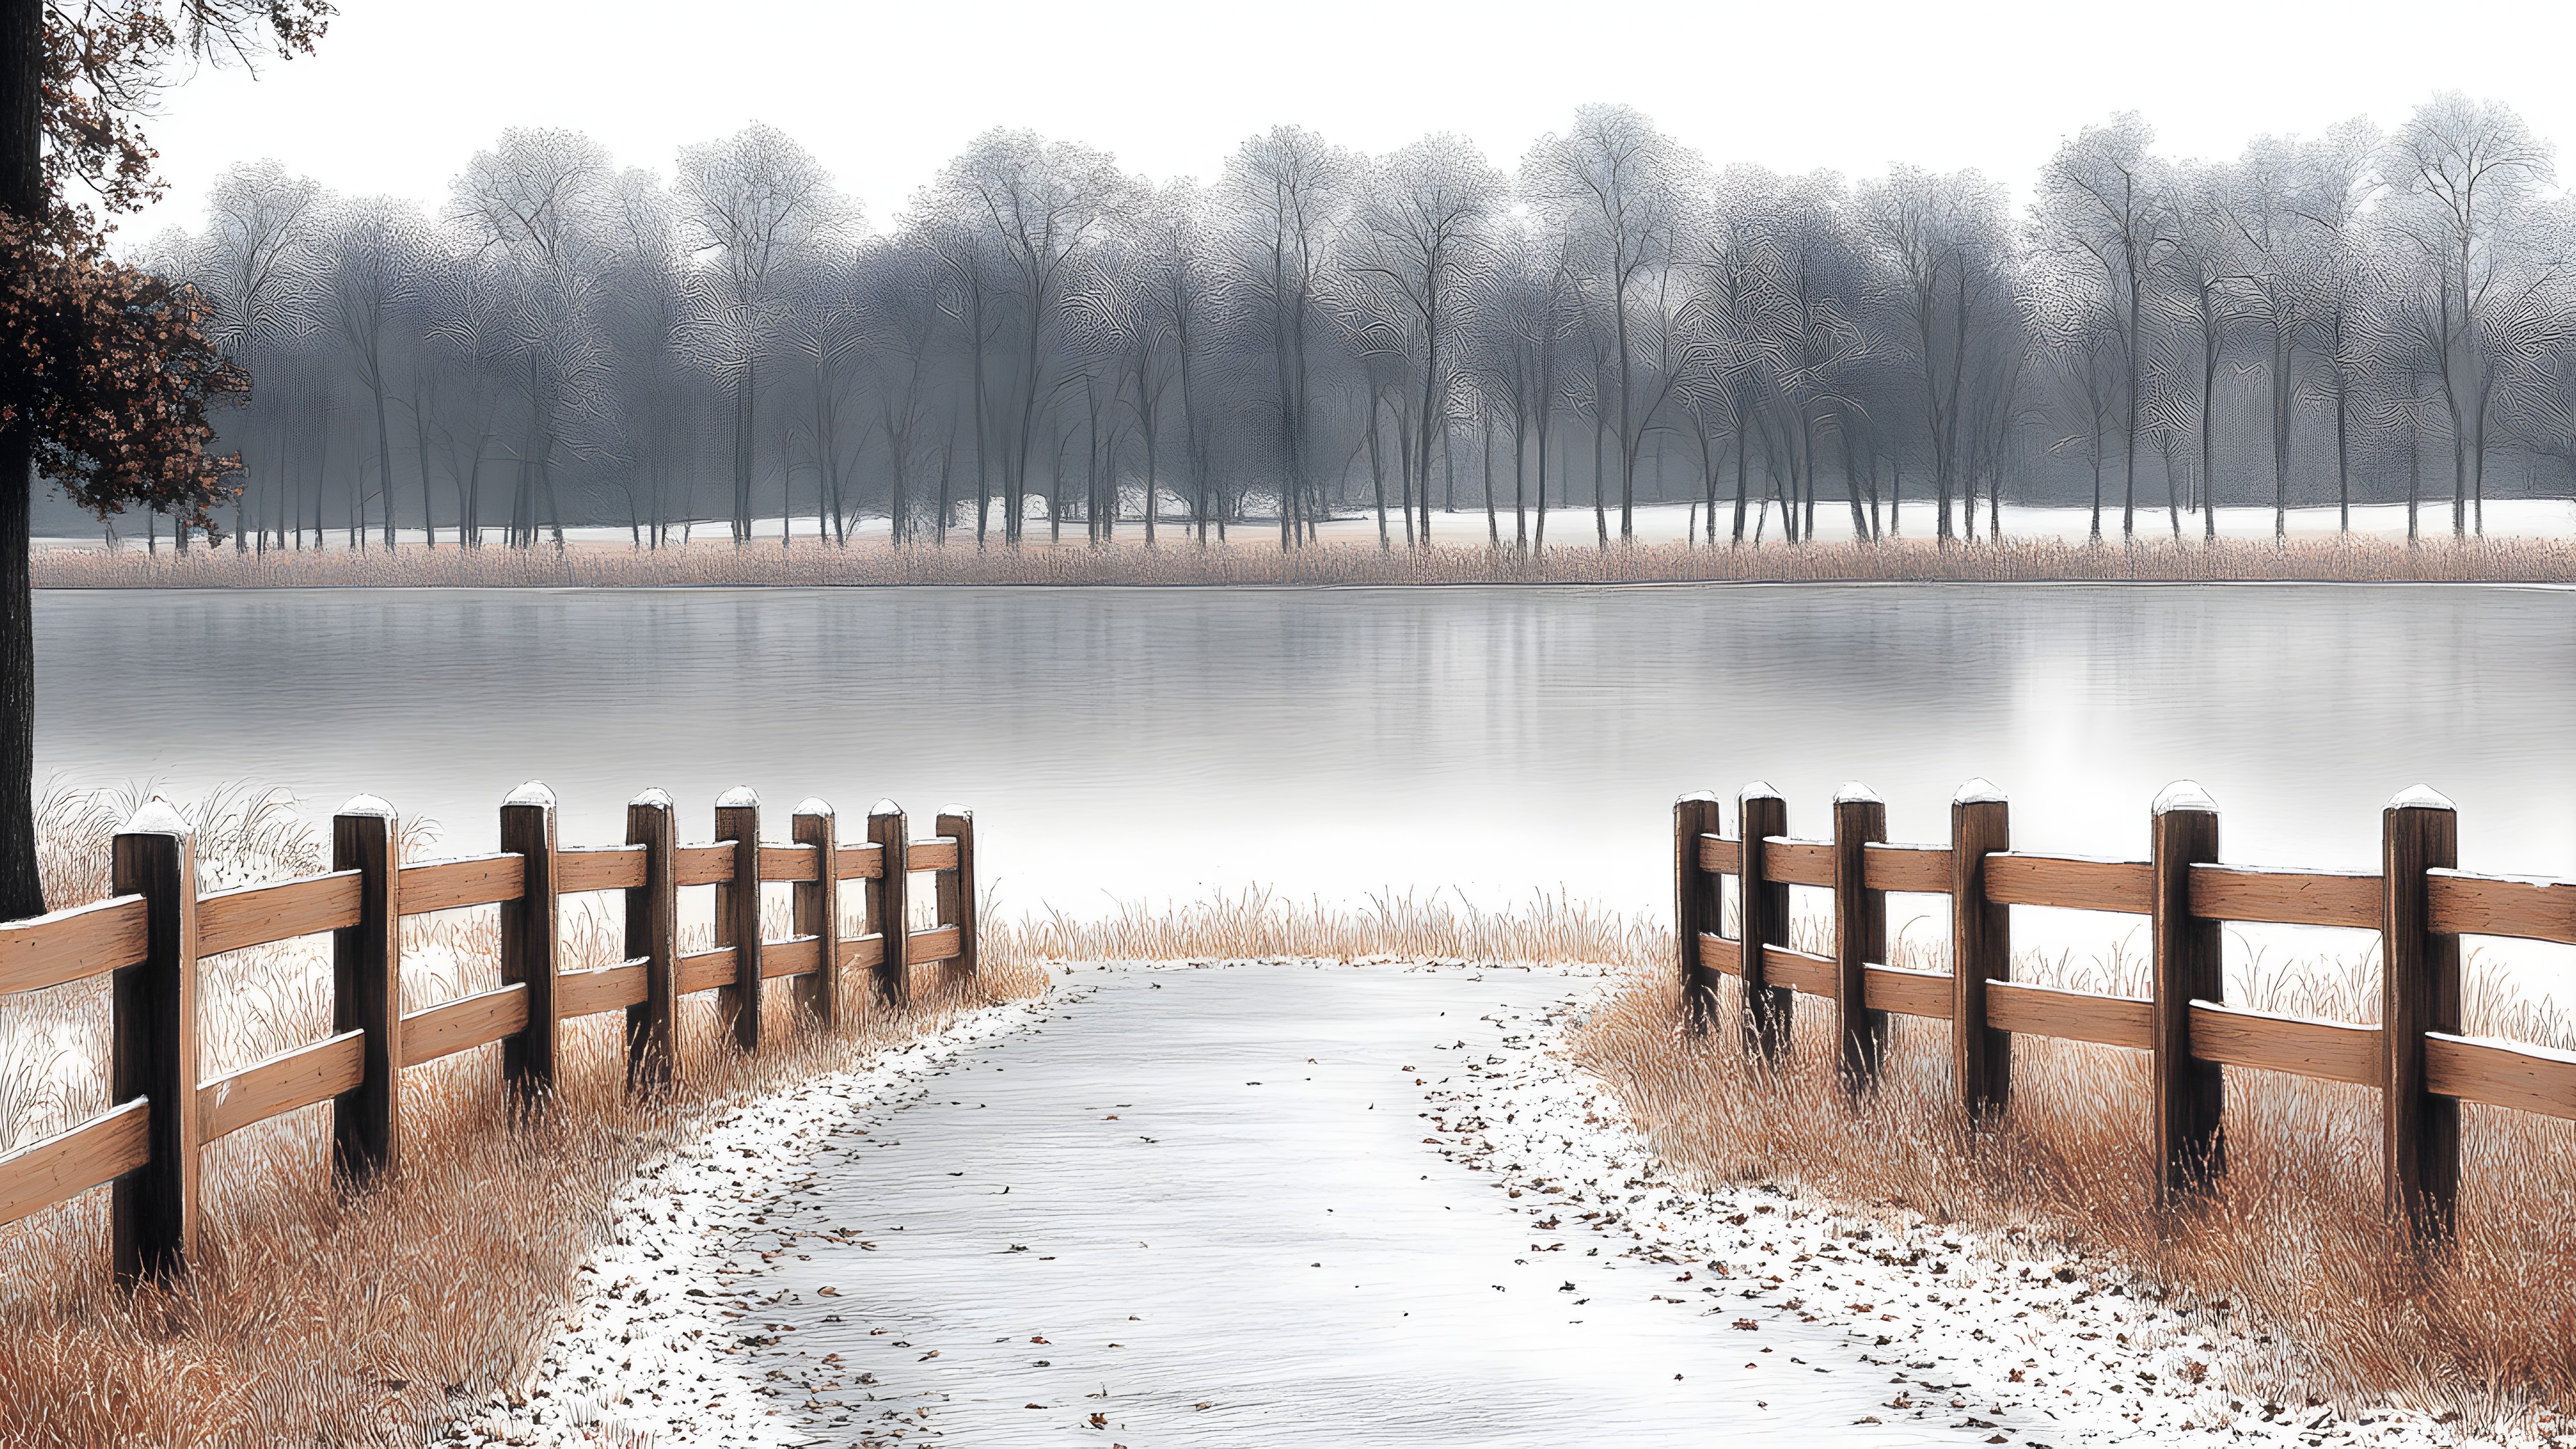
[(1164, 742)]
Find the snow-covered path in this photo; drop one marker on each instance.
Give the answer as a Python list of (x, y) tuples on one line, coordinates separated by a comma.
[(1299, 1203)]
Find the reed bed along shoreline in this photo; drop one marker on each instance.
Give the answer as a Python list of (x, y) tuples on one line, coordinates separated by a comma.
[(1184, 563), (318, 1320)]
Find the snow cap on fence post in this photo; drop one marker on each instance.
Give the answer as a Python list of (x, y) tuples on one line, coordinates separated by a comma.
[(157, 816), (740, 797), (1979, 791), (534, 792), (1854, 792)]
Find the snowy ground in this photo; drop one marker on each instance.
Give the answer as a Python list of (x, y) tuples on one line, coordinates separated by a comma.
[(1333, 1204)]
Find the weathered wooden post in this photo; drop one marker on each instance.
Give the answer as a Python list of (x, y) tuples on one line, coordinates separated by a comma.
[(2189, 1093), (366, 992), (1695, 904), (2419, 992), (1860, 934), (530, 933), (738, 912), (888, 911), (818, 909), (1762, 910), (957, 891), (1980, 951), (152, 1048), (653, 936)]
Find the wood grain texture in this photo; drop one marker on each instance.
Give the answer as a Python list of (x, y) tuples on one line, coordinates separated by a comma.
[(933, 854), (2419, 994), (738, 920), (1762, 919), (366, 997), (958, 903), (1722, 953), (1719, 855), (259, 915), (450, 885), (2120, 1021), (1789, 970), (1860, 937), (697, 865), (2188, 1094), (863, 861), (463, 1024), (888, 902), (2488, 905), (1924, 869), (586, 993), (815, 909), (2332, 1050), (788, 863), (924, 947), (1910, 993), (153, 1212), (1696, 818), (1980, 952), (72, 945), (653, 937), (532, 945), (2501, 1074), (2285, 897), (1799, 862), (298, 1077), (794, 956), (708, 970), (61, 1167), (2070, 882), (863, 953), (599, 868)]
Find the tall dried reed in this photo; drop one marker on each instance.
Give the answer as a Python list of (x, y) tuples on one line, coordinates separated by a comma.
[(318, 1319), (2498, 560), (2292, 1235)]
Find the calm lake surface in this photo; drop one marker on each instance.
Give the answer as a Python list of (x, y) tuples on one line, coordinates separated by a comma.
[(1336, 742)]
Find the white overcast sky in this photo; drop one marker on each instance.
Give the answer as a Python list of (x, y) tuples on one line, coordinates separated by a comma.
[(401, 93)]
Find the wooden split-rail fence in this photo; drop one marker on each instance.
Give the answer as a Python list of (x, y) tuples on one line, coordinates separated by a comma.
[(154, 929), (2419, 903)]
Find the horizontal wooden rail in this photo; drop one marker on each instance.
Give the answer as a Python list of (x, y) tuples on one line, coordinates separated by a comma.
[(1910, 993), (605, 868), (2501, 1074), (2285, 897), (471, 1021), (1921, 868), (697, 865), (2119, 1021), (923, 947), (786, 863), (795, 956), (70, 1163), (2492, 905), (296, 1077), (448, 885), (1798, 862), (931, 854), (1719, 855), (2333, 1050), (863, 861), (707, 970), (1812, 975), (587, 993), (2069, 882), (72, 945), (262, 915), (861, 952)]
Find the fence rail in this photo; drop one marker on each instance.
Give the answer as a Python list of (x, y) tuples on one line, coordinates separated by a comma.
[(151, 934), (2419, 903)]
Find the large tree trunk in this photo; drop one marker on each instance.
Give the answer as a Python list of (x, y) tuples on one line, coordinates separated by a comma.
[(22, 197)]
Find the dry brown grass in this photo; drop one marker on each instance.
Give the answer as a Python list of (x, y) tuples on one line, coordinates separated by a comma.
[(318, 1320), (2293, 1235), (2500, 560)]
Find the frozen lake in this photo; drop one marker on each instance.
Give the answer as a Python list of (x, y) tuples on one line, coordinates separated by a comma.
[(1162, 743)]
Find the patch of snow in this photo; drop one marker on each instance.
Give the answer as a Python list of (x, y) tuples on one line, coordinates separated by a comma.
[(2184, 795), (1979, 791), (814, 805), (655, 799), (157, 817), (1854, 792), (2420, 797), (740, 797), (367, 805), (534, 792)]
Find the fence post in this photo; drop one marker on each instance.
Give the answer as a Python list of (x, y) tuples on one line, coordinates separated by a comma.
[(1980, 950), (653, 935), (818, 909), (530, 953), (738, 912), (957, 890), (888, 915), (1696, 911), (2189, 1093), (152, 1211), (366, 996), (1762, 910), (1860, 934), (2419, 992)]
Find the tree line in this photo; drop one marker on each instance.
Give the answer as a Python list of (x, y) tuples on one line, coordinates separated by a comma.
[(1040, 340)]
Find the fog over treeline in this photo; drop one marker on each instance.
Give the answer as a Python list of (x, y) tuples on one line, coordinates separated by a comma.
[(1040, 343)]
